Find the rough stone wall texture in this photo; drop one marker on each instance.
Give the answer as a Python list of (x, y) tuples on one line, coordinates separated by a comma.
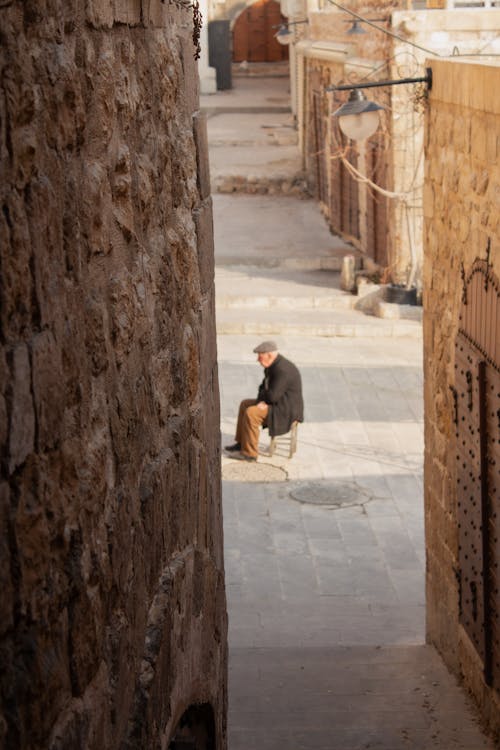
[(112, 606), (331, 24), (443, 31), (461, 212), (399, 165), (353, 210)]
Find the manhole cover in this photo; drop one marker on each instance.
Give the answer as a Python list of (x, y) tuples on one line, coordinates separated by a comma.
[(336, 494), (241, 471)]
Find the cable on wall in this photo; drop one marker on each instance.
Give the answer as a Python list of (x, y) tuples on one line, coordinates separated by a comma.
[(384, 31)]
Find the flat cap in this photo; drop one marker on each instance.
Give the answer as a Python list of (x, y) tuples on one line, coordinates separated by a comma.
[(266, 346)]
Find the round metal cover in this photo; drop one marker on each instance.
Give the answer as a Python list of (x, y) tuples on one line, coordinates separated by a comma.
[(241, 471), (334, 494)]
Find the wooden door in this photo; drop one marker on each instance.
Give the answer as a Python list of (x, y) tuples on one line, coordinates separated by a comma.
[(376, 204), (254, 35)]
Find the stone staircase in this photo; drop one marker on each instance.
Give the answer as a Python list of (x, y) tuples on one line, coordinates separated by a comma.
[(277, 263), (278, 302)]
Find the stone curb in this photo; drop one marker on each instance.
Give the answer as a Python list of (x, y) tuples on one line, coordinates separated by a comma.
[(340, 330), (231, 302), (285, 264), (250, 185)]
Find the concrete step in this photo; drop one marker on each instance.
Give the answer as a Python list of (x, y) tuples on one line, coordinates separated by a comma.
[(233, 167), (288, 185), (272, 302), (320, 322), (253, 131), (246, 69), (255, 265), (282, 289), (278, 232)]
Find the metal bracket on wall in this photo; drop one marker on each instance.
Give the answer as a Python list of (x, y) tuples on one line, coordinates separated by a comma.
[(464, 283), (488, 265)]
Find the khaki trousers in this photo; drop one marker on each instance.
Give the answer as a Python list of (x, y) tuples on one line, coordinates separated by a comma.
[(250, 420)]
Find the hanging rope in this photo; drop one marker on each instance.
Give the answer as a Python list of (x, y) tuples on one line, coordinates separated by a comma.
[(366, 180)]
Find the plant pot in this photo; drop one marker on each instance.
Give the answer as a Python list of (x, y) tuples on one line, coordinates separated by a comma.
[(400, 295)]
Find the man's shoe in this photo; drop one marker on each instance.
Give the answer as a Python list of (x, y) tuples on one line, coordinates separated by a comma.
[(232, 448), (244, 457)]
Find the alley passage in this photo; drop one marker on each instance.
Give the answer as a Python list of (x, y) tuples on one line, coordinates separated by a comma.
[(326, 595), (325, 552)]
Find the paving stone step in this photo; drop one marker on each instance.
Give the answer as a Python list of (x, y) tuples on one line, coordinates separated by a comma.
[(302, 302), (273, 262), (295, 186), (284, 289), (388, 698), (331, 323)]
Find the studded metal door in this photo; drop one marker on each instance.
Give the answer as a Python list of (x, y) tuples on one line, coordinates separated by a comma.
[(477, 419)]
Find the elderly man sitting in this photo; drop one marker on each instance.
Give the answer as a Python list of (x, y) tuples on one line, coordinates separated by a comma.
[(278, 404)]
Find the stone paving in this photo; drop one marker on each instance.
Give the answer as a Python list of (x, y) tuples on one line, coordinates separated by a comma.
[(325, 562), (325, 556), (347, 571)]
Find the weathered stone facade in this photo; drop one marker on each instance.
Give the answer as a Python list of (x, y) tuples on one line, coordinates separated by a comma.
[(331, 56), (462, 219), (112, 611), (387, 228)]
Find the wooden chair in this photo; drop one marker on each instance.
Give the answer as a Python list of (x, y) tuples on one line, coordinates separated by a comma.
[(289, 438)]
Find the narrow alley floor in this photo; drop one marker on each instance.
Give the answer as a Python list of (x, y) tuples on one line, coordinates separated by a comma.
[(324, 552)]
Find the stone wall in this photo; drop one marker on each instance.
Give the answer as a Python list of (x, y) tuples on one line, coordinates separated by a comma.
[(333, 56), (112, 611), (398, 165), (461, 213), (352, 209)]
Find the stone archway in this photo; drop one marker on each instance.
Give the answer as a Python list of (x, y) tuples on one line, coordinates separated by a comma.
[(254, 35)]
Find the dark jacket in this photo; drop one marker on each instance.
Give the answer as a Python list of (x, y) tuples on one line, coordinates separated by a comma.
[(282, 390)]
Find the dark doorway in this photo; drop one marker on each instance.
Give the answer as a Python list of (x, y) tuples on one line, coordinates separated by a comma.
[(195, 730)]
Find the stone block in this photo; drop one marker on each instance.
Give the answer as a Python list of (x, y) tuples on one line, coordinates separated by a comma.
[(22, 421), (127, 11), (490, 127), (203, 219), (201, 142), (347, 274), (391, 311), (47, 378), (479, 138), (100, 13), (190, 64), (6, 601), (208, 354), (155, 12), (428, 200)]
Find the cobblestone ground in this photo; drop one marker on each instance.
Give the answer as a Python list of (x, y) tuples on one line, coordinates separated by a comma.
[(325, 562)]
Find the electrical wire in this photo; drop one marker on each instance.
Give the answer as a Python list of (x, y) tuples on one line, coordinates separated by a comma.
[(384, 31)]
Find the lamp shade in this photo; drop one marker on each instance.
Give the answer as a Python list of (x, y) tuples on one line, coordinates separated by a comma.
[(358, 117), (284, 35), (356, 28)]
